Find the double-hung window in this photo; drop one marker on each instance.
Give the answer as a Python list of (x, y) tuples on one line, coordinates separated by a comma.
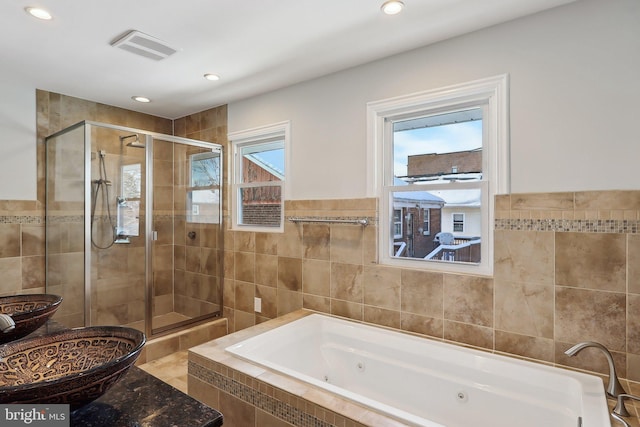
[(203, 192), (397, 223), (458, 222), (259, 167), (442, 153), (426, 221)]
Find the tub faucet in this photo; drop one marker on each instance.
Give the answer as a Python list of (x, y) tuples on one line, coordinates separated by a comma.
[(620, 407), (6, 323), (614, 388)]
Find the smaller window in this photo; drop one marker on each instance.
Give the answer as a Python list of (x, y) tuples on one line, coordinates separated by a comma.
[(458, 222), (259, 178), (425, 222), (397, 223), (128, 203), (203, 193)]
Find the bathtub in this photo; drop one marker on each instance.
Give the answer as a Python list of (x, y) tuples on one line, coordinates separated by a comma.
[(422, 382)]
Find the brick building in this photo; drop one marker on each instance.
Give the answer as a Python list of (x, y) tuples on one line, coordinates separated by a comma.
[(261, 205), (453, 217)]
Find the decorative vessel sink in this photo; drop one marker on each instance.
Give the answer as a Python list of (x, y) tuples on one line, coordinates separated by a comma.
[(73, 366), (28, 312)]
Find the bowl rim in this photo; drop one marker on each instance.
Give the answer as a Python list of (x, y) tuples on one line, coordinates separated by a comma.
[(53, 300), (86, 332)]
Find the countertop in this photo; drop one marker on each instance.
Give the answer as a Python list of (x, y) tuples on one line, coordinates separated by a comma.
[(139, 399)]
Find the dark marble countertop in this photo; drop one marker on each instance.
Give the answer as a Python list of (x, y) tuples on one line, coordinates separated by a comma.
[(139, 399)]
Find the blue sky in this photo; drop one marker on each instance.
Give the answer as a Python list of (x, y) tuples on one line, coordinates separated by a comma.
[(275, 158), (438, 139)]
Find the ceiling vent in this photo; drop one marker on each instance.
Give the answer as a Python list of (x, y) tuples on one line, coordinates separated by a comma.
[(144, 45)]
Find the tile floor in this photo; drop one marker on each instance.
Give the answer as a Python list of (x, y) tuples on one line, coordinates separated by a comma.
[(171, 369)]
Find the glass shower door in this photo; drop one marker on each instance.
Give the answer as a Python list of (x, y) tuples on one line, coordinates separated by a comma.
[(65, 222), (133, 227), (186, 244), (117, 230)]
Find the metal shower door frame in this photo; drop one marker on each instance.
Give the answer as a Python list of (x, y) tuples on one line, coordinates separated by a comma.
[(149, 138)]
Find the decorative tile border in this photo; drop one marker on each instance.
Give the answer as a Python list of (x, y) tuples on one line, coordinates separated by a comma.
[(21, 219), (257, 398), (61, 219), (568, 225)]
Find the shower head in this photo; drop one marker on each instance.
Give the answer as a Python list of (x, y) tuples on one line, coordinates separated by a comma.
[(135, 143)]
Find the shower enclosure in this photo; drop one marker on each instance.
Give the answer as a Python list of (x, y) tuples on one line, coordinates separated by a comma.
[(133, 227)]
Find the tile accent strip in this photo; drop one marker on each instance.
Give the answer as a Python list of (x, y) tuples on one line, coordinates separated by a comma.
[(569, 225), (21, 219), (257, 398)]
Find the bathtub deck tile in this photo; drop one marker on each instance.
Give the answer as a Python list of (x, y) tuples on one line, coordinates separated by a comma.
[(370, 418), (290, 385)]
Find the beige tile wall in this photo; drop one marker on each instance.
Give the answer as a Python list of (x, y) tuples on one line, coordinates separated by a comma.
[(565, 271), (21, 247), (198, 260)]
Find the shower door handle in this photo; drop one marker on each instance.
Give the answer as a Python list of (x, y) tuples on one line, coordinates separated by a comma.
[(154, 235)]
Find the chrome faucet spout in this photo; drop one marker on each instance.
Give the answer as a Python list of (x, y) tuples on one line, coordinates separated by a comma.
[(6, 323), (614, 388)]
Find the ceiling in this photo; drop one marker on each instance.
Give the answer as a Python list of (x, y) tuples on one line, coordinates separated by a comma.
[(255, 46)]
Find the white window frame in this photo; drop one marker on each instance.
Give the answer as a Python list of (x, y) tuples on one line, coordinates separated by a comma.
[(492, 95), (193, 211), (396, 223), (453, 222), (426, 220), (254, 136)]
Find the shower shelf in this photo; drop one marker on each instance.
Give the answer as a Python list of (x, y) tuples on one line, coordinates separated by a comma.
[(360, 221)]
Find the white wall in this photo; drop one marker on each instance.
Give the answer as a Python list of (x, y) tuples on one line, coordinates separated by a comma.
[(18, 174), (575, 96)]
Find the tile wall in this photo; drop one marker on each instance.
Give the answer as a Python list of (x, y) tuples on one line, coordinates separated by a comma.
[(21, 247), (198, 260), (565, 271)]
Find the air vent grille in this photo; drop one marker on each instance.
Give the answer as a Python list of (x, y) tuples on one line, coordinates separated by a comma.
[(144, 45)]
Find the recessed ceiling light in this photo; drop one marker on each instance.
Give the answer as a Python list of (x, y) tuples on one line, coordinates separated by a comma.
[(39, 13), (212, 77), (140, 99), (392, 7)]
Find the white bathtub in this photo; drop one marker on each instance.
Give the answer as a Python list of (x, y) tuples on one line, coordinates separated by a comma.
[(422, 382)]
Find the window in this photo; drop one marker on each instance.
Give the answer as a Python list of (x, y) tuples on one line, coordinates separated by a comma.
[(425, 222), (443, 152), (397, 223), (458, 223), (128, 203), (259, 177), (203, 192)]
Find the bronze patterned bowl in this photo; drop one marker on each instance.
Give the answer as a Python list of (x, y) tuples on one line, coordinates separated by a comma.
[(29, 312), (74, 366)]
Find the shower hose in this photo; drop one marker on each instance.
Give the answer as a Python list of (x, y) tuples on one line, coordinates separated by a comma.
[(103, 184)]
